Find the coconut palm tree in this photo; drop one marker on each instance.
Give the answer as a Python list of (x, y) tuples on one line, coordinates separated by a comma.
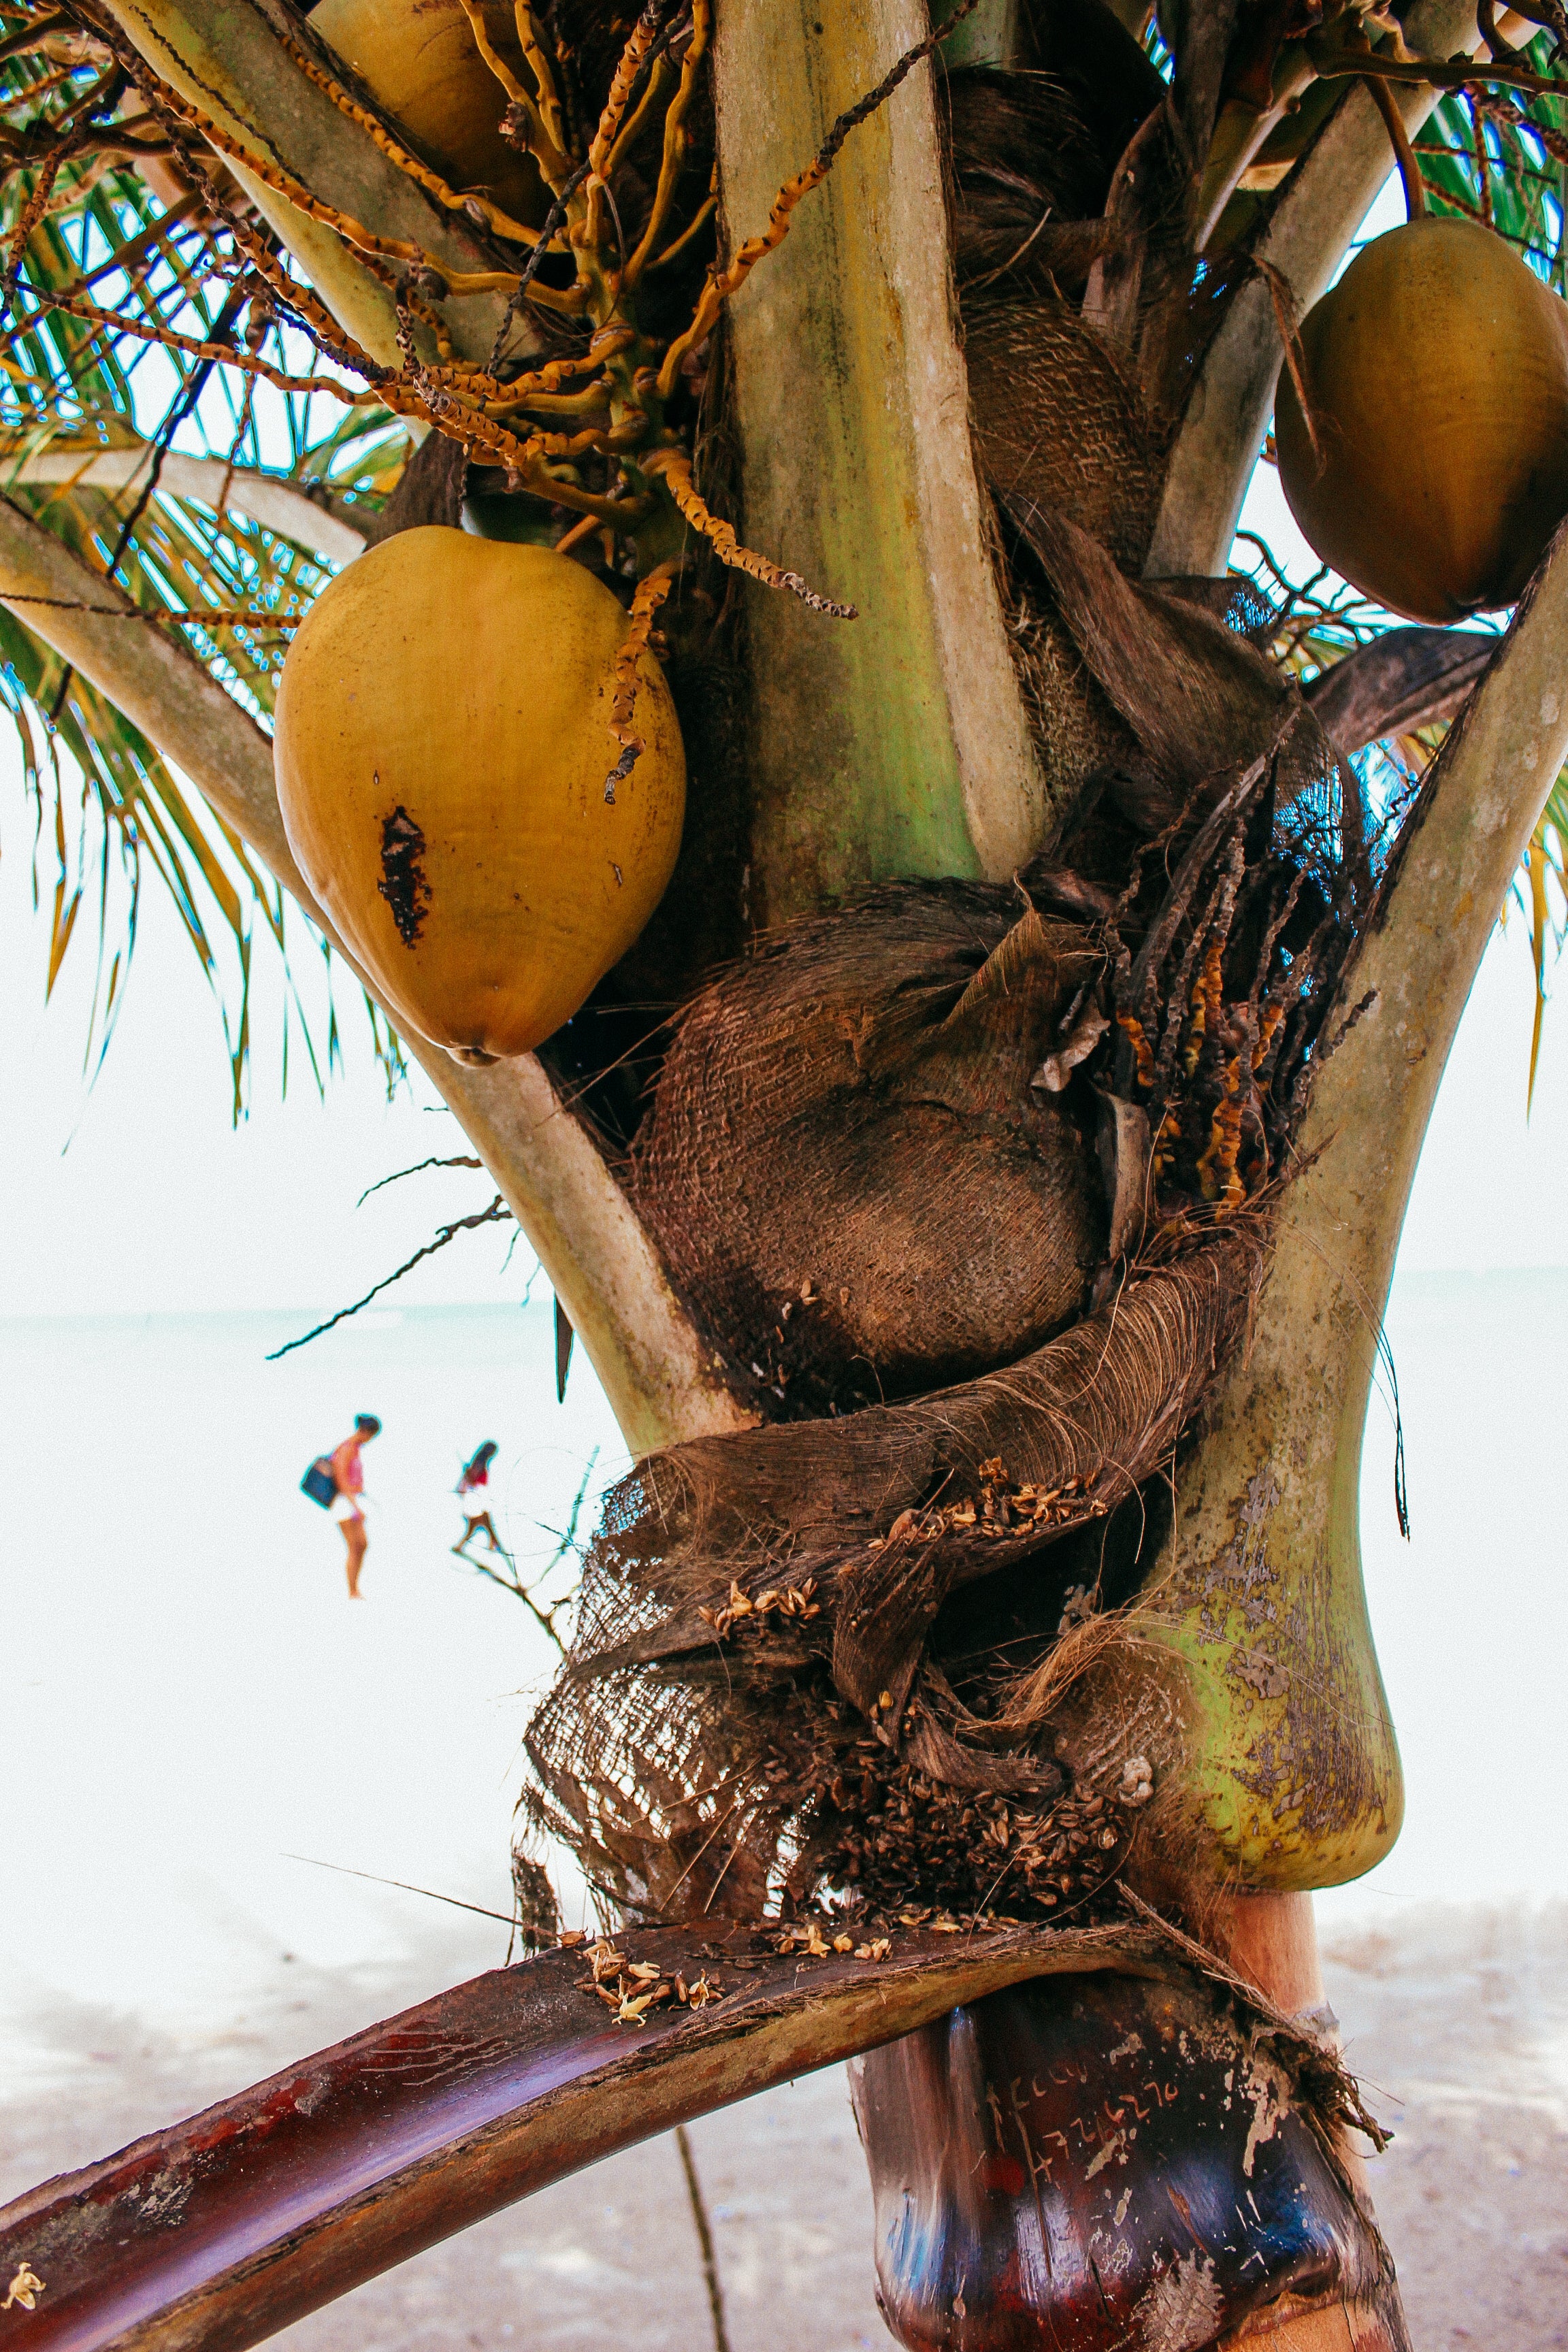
[(977, 1184)]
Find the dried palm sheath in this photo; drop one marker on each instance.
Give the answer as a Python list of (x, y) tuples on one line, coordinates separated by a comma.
[(234, 2224), (904, 1141), (819, 1556), (967, 1185)]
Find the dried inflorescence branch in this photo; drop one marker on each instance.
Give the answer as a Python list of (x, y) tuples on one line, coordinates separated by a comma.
[(1237, 1019), (192, 120), (206, 616), (548, 99), (251, 363), (722, 283), (651, 594), (644, 379), (673, 467), (625, 401), (674, 154), (473, 204), (634, 56), (533, 123)]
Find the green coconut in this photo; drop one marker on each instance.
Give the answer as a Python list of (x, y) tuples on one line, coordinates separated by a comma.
[(1436, 371)]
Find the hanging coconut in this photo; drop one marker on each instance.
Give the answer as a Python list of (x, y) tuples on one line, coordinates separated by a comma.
[(419, 60), (442, 748), (1438, 373)]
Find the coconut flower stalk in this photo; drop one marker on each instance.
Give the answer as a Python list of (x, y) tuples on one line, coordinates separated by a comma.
[(974, 1164)]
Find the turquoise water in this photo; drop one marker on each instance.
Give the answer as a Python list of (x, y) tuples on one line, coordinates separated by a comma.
[(190, 1698)]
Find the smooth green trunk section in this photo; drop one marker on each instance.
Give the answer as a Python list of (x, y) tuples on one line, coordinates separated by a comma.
[(1294, 1779), (895, 743)]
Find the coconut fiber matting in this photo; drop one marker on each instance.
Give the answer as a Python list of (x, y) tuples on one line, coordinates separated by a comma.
[(969, 1185)]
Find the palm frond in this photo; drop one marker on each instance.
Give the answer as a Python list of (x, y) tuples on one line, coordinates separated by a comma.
[(1321, 620), (1500, 158), (114, 811)]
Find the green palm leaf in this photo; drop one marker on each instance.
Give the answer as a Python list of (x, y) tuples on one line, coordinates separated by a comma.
[(1500, 160), (71, 391)]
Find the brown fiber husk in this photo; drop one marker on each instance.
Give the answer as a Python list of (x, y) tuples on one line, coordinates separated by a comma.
[(907, 1208), (852, 1651)]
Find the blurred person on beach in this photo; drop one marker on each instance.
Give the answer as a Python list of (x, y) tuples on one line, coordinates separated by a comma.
[(347, 1508), (473, 1488)]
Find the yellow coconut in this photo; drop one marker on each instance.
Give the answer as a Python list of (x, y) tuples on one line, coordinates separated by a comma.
[(442, 750), (420, 59), (1438, 373)]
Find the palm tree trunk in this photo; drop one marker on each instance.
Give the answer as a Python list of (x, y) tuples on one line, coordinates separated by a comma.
[(932, 461)]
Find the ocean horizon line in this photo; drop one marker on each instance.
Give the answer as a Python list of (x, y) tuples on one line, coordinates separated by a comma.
[(369, 1318)]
